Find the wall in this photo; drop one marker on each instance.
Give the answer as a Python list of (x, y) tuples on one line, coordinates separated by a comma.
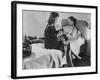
[(34, 22)]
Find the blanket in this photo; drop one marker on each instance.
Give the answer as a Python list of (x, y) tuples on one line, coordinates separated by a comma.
[(43, 58)]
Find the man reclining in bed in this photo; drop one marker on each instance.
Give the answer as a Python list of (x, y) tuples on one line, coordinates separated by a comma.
[(74, 36), (72, 39)]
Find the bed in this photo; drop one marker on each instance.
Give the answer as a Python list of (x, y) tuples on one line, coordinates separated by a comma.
[(43, 58)]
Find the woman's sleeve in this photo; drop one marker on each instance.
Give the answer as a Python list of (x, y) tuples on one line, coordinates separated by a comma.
[(50, 32)]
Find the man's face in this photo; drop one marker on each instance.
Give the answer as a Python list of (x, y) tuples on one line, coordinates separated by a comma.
[(67, 29), (70, 22)]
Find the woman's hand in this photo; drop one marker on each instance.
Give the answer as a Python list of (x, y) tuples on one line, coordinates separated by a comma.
[(60, 33)]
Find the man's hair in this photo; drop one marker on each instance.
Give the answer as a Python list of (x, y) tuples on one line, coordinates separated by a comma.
[(73, 19), (52, 17)]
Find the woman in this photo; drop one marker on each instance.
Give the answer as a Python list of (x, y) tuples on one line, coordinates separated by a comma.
[(50, 31)]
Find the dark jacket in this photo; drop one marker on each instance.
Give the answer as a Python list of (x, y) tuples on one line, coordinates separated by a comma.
[(50, 37)]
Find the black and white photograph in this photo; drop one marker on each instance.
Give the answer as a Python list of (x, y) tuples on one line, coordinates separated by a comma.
[(54, 39)]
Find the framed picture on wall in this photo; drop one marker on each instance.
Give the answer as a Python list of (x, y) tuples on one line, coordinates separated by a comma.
[(50, 39)]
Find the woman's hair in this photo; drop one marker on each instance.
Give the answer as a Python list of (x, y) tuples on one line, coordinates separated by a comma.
[(53, 16), (73, 19)]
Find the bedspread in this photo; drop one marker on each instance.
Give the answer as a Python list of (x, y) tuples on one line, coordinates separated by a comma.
[(43, 58)]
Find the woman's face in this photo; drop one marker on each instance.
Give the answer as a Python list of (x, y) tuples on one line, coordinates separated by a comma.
[(56, 20), (70, 22), (57, 24)]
